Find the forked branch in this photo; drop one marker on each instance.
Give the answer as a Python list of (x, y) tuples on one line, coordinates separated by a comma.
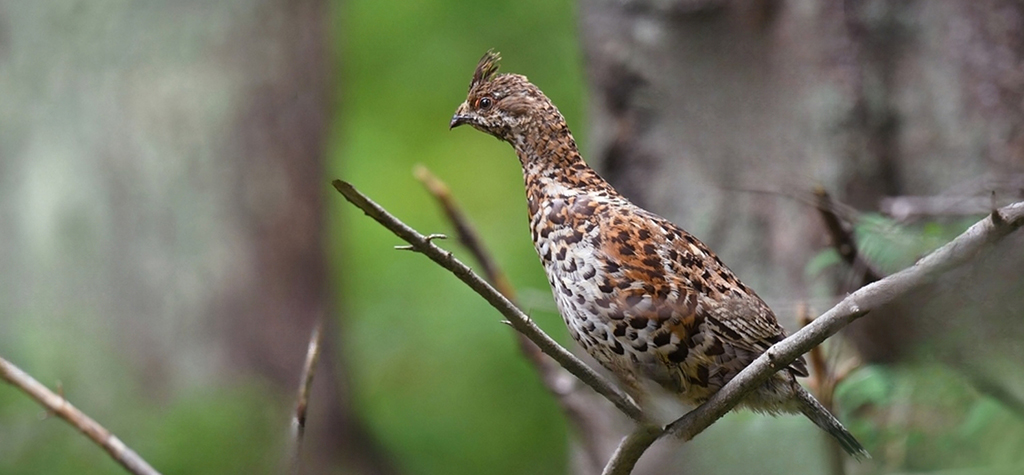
[(515, 317), (957, 252), (578, 407)]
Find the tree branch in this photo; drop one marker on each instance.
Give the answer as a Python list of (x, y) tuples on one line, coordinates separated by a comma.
[(955, 253), (577, 408), (56, 404), (464, 231), (515, 317), (298, 426), (842, 238)]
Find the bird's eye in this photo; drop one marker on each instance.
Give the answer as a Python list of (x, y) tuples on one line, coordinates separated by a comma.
[(484, 103)]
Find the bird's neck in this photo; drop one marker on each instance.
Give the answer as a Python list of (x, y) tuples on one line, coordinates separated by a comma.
[(552, 165)]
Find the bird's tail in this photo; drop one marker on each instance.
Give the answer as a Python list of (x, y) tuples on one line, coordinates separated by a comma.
[(817, 413)]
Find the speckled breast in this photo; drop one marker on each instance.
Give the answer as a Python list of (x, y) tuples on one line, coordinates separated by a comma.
[(567, 238), (637, 329)]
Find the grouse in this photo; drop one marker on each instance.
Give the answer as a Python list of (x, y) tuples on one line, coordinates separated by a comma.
[(648, 300)]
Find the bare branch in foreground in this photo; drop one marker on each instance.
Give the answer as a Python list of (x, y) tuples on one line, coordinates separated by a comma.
[(842, 240), (957, 252), (62, 408), (519, 320), (298, 426), (577, 408)]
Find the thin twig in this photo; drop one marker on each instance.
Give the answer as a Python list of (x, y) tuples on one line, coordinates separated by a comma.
[(955, 253), (464, 231), (823, 386), (842, 238), (56, 404), (298, 425), (519, 320), (556, 379)]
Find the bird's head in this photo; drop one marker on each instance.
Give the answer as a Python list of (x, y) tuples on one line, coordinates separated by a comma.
[(502, 105)]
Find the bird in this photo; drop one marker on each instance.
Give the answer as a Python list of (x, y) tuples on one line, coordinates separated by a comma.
[(646, 299)]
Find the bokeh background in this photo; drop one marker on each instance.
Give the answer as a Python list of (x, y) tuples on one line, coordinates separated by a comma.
[(169, 236)]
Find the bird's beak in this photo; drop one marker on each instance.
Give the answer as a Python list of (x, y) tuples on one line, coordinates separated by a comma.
[(461, 116)]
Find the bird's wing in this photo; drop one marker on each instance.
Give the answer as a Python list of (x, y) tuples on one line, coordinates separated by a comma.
[(692, 295), (737, 314), (747, 323)]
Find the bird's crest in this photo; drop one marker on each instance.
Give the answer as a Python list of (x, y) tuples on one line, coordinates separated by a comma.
[(486, 69)]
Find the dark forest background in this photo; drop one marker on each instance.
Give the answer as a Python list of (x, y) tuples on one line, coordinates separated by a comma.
[(168, 234)]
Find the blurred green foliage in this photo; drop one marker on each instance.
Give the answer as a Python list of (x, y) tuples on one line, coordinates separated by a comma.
[(893, 246), (888, 244), (925, 417), (920, 416), (437, 376)]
